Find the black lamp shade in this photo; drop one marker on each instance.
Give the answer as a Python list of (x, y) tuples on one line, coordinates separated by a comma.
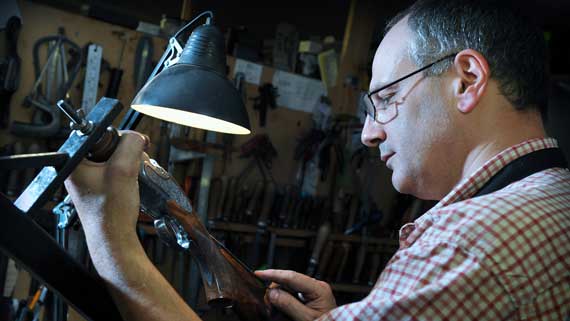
[(195, 91)]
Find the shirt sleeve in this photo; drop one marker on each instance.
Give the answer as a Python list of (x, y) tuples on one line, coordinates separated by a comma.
[(431, 282)]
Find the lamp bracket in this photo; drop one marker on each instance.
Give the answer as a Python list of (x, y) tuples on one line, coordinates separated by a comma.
[(176, 50)]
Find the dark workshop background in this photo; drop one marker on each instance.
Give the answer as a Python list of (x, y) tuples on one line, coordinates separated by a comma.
[(357, 27)]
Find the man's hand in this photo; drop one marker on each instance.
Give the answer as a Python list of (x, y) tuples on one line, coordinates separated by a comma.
[(106, 195), (317, 294)]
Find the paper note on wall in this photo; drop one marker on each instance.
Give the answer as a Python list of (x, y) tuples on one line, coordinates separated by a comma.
[(251, 71), (297, 92)]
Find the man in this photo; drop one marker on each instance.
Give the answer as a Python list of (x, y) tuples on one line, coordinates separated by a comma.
[(455, 101)]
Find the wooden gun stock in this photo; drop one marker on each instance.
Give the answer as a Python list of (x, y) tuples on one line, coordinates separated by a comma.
[(227, 281)]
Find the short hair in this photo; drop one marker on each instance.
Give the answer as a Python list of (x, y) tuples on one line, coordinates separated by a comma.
[(513, 45)]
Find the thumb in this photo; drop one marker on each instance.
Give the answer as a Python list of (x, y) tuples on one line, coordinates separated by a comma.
[(290, 306)]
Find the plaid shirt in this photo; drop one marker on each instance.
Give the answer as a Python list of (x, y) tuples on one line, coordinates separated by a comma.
[(501, 256)]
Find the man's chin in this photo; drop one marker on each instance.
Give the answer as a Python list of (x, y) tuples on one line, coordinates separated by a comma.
[(401, 184), (404, 184), (409, 187)]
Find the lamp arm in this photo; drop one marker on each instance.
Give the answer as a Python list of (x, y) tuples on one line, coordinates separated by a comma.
[(161, 63), (174, 49), (210, 20)]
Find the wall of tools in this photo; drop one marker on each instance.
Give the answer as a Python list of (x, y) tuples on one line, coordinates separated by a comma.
[(343, 233), (61, 55)]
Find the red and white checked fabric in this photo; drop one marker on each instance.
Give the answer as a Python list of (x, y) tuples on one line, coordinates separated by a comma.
[(501, 256)]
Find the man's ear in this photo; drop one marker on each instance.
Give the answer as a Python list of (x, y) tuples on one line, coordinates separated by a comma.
[(473, 75)]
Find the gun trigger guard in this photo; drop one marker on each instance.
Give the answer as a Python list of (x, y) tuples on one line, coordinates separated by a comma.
[(172, 233)]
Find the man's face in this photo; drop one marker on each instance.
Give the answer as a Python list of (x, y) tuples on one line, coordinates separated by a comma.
[(415, 144)]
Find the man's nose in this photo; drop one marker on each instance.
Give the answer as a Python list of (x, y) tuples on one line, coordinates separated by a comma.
[(373, 133)]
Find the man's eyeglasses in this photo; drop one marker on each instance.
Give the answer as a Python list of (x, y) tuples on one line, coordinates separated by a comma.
[(381, 109)]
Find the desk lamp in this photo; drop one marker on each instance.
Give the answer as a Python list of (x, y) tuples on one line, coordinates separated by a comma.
[(189, 86)]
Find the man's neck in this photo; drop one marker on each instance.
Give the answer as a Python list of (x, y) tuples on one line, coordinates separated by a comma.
[(510, 134)]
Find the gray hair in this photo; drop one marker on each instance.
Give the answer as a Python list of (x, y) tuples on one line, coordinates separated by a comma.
[(514, 47)]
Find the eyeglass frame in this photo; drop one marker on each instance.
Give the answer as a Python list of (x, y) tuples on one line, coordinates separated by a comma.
[(375, 91)]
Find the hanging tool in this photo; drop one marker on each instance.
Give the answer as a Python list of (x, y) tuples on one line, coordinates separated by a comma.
[(33, 306), (14, 181), (117, 72), (66, 215), (92, 73), (143, 61), (239, 83), (9, 69), (262, 152), (5, 150), (266, 99), (53, 82)]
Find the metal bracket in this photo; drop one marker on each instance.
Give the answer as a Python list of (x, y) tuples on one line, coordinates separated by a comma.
[(76, 146)]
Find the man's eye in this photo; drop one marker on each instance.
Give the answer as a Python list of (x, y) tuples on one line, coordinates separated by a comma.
[(385, 100)]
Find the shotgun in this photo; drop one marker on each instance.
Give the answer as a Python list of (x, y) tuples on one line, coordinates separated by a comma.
[(230, 199), (374, 266), (282, 216), (268, 199), (241, 202), (325, 259), (320, 242), (251, 210), (360, 257), (227, 281), (216, 188), (345, 245), (219, 206)]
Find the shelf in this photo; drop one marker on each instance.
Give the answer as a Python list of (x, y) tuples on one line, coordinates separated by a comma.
[(284, 232)]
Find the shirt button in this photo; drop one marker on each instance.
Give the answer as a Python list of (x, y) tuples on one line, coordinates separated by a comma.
[(406, 230)]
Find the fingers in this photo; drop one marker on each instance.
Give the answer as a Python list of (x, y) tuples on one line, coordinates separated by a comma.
[(290, 306), (291, 279), (126, 159)]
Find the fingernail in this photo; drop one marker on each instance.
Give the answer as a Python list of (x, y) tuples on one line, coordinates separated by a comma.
[(273, 295), (146, 141)]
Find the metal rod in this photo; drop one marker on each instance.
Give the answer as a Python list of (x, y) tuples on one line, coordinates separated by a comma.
[(78, 120), (38, 160)]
